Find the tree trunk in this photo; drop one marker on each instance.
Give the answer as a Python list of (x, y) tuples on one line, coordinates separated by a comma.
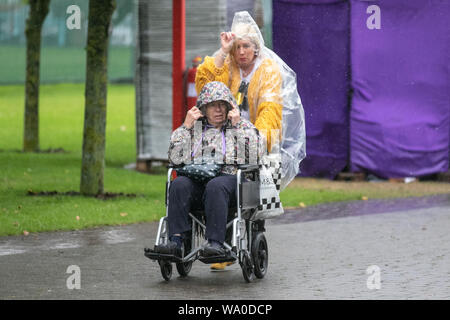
[(38, 12), (93, 159)]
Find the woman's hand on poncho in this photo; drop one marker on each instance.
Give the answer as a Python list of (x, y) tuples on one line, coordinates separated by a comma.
[(227, 40), (192, 115), (234, 116)]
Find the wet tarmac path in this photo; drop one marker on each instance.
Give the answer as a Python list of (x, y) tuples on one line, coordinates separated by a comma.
[(321, 252)]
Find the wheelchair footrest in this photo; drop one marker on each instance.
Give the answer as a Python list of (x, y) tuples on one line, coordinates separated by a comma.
[(229, 257), (151, 254)]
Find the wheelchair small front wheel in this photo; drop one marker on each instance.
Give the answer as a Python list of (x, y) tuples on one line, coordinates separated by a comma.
[(247, 267), (166, 269), (260, 255), (184, 268)]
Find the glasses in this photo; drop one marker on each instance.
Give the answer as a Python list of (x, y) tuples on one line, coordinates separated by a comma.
[(245, 46), (221, 105)]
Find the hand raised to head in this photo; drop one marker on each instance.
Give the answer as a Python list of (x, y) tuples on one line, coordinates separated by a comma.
[(227, 40), (234, 116), (192, 115)]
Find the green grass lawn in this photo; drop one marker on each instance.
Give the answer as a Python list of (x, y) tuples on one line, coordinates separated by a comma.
[(61, 126), (61, 123), (303, 197), (25, 173)]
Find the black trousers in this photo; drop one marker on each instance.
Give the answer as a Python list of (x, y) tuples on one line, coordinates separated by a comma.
[(214, 197)]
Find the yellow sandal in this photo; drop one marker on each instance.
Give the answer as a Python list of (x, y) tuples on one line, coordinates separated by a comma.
[(221, 265)]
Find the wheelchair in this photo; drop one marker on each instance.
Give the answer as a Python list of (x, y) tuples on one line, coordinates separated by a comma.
[(245, 241)]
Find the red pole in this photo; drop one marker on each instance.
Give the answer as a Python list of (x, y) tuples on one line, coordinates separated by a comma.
[(178, 60)]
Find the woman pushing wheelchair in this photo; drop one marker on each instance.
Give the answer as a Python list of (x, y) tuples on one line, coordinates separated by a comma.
[(265, 89)]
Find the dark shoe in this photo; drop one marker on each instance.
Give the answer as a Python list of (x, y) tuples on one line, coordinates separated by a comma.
[(214, 248), (170, 247)]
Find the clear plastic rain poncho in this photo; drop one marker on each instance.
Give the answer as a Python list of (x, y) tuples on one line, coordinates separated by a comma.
[(293, 136)]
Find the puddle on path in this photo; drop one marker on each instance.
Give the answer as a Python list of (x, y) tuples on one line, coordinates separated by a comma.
[(63, 240)]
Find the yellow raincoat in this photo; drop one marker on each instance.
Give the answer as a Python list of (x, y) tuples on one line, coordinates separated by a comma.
[(264, 99)]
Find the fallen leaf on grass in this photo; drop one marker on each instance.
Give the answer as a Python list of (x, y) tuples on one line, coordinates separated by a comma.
[(123, 214), (301, 204), (77, 217), (364, 198)]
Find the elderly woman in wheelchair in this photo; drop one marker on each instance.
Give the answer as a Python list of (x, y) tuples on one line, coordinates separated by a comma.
[(216, 155)]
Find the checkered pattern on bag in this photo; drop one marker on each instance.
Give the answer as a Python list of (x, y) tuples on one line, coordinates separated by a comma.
[(268, 204), (275, 170)]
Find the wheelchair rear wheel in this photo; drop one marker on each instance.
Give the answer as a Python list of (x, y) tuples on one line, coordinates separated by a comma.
[(260, 255)]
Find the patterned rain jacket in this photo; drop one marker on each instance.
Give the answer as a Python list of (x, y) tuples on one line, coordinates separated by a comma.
[(229, 145)]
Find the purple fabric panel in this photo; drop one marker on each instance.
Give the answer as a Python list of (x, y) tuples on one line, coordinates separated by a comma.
[(311, 1), (314, 41), (400, 114)]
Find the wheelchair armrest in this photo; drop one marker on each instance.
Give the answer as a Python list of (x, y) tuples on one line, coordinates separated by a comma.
[(248, 167), (242, 167), (175, 166)]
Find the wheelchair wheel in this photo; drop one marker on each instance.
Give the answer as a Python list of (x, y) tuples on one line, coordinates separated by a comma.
[(260, 255), (166, 269), (247, 267), (184, 268)]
